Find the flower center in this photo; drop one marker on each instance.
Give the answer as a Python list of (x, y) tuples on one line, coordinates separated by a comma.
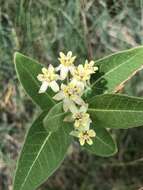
[(49, 77), (86, 135), (67, 62), (81, 75), (71, 91)]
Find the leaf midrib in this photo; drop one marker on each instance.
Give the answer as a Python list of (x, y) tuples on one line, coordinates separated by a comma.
[(112, 70), (36, 158), (110, 147), (111, 110)]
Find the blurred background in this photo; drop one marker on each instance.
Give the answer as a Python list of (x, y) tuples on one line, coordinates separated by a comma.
[(91, 29)]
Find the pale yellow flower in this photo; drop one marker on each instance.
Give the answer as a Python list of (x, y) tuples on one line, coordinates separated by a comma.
[(82, 73), (84, 136), (48, 79), (71, 95), (89, 67), (66, 64), (81, 118)]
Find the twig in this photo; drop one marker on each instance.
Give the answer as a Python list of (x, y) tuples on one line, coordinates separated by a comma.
[(86, 32), (124, 164)]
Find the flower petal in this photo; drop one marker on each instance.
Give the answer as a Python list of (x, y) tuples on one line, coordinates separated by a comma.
[(72, 69), (82, 141), (69, 54), (62, 55), (65, 105), (73, 59), (43, 87), (95, 68), (44, 70), (72, 107), (78, 100), (89, 141), (91, 133), (40, 77), (59, 96), (58, 68), (84, 108), (54, 86), (51, 68), (64, 72)]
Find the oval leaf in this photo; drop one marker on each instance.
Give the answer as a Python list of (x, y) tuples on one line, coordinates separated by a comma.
[(54, 119), (116, 111), (27, 70), (41, 155), (116, 69), (103, 143)]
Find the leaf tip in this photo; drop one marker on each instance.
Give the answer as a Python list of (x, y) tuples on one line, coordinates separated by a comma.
[(15, 56)]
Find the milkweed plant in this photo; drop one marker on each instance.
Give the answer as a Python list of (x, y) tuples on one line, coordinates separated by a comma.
[(78, 101)]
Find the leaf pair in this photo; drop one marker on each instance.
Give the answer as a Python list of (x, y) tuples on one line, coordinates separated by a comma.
[(45, 148)]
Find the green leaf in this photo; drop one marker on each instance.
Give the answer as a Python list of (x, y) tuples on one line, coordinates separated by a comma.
[(103, 143), (116, 111), (41, 155), (116, 68), (27, 70), (54, 119)]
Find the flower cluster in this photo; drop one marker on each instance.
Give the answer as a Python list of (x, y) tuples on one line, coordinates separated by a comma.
[(74, 81)]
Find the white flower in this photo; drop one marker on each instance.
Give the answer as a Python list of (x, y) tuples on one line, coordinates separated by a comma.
[(80, 117), (84, 136), (71, 95), (82, 73), (48, 79), (66, 64), (89, 67)]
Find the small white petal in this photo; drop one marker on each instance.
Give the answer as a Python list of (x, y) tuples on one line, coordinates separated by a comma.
[(58, 68), (72, 107), (59, 96), (62, 55), (91, 133), (86, 127), (64, 72), (63, 86), (65, 105), (40, 77), (86, 61), (51, 68), (54, 86), (84, 108), (69, 54), (43, 87), (44, 70), (72, 69), (82, 141), (78, 100), (89, 141)]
